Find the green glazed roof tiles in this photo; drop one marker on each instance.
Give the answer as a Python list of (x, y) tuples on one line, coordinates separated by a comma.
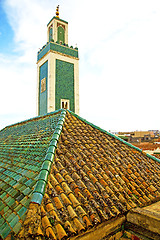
[(22, 211), (51, 149), (23, 149), (14, 221), (10, 218), (17, 227), (5, 231), (53, 142), (46, 165), (1, 222), (27, 191), (43, 175), (37, 197), (40, 186)]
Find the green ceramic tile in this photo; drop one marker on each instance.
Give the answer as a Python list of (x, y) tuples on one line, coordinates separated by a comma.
[(6, 209), (12, 183), (3, 226), (51, 149), (40, 187), (17, 228), (5, 232), (22, 188), (3, 195), (2, 206), (22, 211), (25, 201), (20, 197), (46, 165), (28, 144), (44, 175), (8, 213), (49, 157), (2, 221), (8, 189), (29, 174), (14, 221), (27, 191), (5, 186), (37, 198), (11, 202), (7, 199), (18, 186), (18, 208), (23, 180), (11, 217), (13, 193), (30, 183)]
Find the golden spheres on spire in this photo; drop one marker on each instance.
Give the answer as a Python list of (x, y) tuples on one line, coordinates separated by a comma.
[(57, 11)]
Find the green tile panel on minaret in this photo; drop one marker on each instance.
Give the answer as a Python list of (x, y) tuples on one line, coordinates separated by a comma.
[(64, 83), (43, 86)]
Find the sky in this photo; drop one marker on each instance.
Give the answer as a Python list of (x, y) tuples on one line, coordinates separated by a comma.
[(119, 59)]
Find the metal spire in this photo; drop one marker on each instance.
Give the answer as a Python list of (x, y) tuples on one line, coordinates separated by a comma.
[(57, 11)]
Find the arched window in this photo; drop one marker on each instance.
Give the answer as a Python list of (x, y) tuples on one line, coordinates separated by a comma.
[(50, 34), (61, 36)]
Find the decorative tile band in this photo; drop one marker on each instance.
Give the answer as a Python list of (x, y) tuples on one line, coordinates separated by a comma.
[(64, 84), (70, 51)]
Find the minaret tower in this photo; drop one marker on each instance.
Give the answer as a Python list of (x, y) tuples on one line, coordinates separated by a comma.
[(57, 70)]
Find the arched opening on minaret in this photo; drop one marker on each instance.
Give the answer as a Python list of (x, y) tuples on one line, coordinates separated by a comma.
[(61, 35), (50, 33)]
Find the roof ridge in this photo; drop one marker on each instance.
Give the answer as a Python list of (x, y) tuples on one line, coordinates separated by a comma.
[(112, 135), (39, 189)]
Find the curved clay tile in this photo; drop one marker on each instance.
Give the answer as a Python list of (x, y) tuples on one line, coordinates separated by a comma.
[(91, 177)]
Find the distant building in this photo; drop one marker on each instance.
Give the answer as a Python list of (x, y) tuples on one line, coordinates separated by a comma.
[(137, 136)]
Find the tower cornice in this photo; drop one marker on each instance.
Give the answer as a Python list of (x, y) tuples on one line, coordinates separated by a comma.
[(58, 19)]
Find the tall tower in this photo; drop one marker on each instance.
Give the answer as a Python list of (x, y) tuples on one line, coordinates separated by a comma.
[(57, 70)]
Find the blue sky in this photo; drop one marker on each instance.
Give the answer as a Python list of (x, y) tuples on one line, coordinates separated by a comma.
[(119, 53), (6, 33)]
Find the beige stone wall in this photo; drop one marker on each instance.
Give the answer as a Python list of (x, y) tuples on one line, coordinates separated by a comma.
[(142, 133), (147, 217), (39, 64), (110, 230)]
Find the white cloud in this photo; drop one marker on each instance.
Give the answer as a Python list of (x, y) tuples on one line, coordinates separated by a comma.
[(119, 58)]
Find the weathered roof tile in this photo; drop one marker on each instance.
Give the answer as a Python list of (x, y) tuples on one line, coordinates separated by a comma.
[(63, 175)]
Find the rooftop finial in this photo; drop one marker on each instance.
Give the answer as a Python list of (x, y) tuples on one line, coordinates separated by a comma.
[(57, 11)]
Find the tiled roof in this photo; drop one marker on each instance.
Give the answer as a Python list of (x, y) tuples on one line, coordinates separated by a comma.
[(23, 147), (92, 177)]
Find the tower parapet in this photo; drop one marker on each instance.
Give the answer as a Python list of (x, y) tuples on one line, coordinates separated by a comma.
[(61, 48)]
